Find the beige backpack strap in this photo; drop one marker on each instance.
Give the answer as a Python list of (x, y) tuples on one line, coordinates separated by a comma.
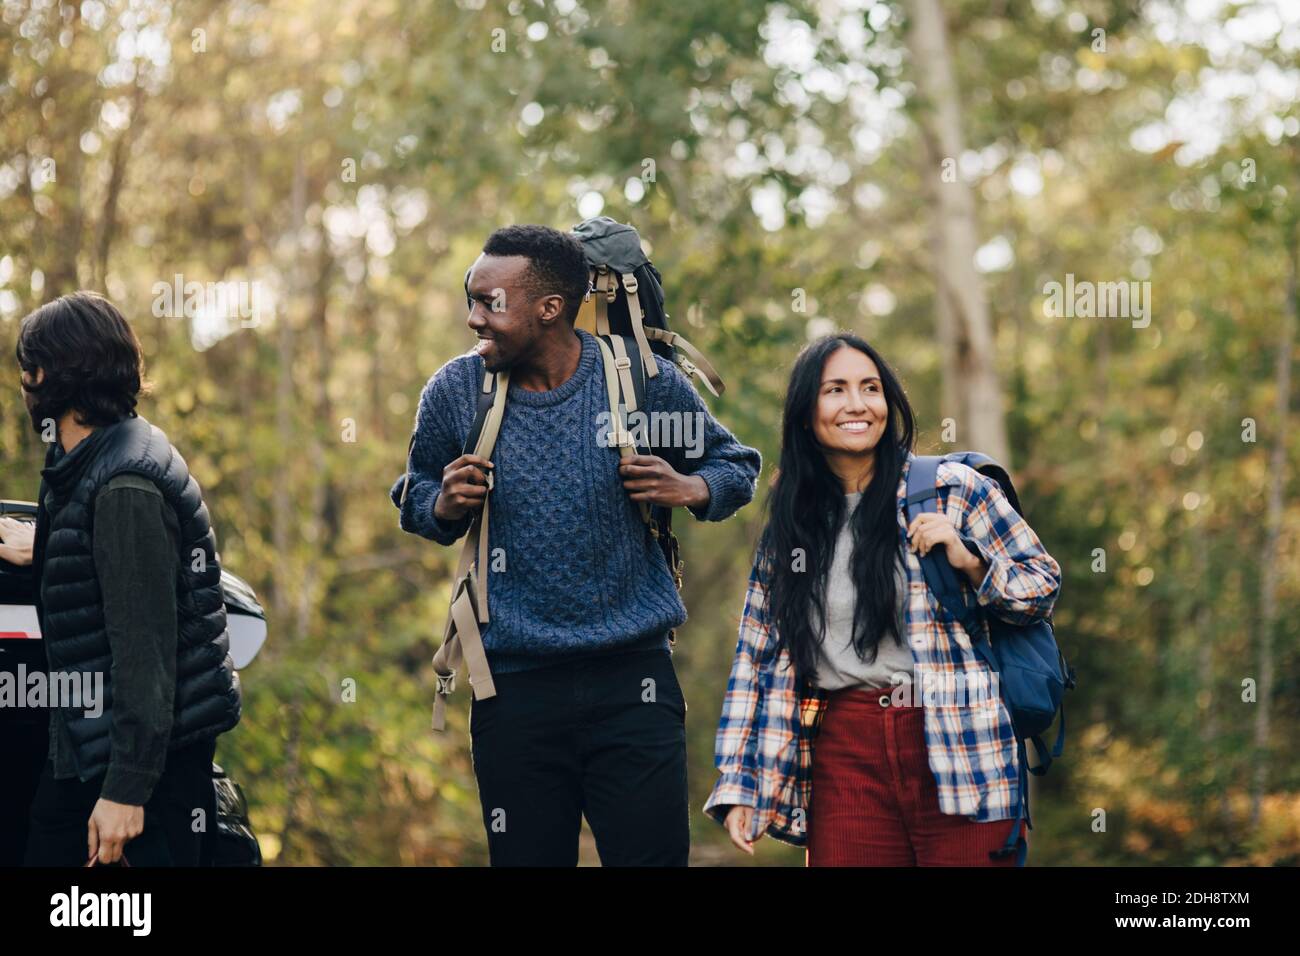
[(604, 294), (462, 638), (586, 319), (694, 362), (622, 438), (613, 373), (406, 478), (638, 326), (623, 367), (487, 441)]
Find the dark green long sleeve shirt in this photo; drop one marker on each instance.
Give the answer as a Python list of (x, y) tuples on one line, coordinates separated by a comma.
[(135, 541)]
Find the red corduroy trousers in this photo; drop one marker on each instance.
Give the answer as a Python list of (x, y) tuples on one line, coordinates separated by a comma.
[(874, 798)]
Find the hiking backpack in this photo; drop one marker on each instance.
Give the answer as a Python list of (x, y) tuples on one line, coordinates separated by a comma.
[(624, 310), (1032, 672)]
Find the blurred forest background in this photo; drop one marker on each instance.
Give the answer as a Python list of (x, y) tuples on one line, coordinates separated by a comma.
[(914, 171)]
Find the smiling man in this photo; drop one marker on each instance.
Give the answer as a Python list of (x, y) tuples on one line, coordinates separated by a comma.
[(588, 716)]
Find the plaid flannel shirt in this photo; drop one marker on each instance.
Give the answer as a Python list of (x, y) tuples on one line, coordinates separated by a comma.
[(764, 744)]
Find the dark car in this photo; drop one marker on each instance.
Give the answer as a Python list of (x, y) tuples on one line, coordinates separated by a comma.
[(24, 731)]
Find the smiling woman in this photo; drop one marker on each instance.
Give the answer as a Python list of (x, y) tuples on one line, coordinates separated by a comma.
[(847, 428), (851, 415), (838, 613)]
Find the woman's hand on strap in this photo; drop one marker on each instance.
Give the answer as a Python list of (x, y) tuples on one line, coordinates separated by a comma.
[(931, 530)]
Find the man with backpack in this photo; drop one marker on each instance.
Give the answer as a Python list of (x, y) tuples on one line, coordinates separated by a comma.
[(577, 709)]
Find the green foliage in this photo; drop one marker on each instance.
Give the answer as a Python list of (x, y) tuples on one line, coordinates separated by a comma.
[(224, 154)]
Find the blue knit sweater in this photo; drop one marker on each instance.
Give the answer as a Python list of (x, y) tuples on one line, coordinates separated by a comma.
[(581, 572)]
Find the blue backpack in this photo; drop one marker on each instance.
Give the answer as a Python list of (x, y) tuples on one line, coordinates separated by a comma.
[(1032, 672)]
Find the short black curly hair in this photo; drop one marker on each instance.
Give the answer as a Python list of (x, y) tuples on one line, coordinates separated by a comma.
[(558, 265), (92, 359)]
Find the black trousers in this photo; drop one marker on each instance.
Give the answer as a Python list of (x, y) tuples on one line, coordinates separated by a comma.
[(604, 737), (62, 808), (23, 746)]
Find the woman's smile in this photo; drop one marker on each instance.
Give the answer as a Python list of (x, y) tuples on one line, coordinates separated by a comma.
[(856, 425)]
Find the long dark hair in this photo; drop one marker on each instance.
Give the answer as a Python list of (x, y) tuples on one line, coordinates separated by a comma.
[(92, 360), (805, 509)]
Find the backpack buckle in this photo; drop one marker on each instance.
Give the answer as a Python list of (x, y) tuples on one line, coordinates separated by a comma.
[(622, 363), (446, 683), (688, 366)]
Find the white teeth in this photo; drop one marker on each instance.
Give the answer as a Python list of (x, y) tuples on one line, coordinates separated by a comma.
[(854, 426)]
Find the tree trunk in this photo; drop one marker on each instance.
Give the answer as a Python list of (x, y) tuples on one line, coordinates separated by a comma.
[(952, 397), (982, 425), (284, 517), (321, 522), (1273, 531), (116, 179)]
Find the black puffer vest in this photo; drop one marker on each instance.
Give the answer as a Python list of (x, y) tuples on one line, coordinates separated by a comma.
[(208, 699)]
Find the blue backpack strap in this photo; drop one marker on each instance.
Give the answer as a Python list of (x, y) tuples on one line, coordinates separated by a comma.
[(922, 496), (1046, 755), (1015, 842), (1060, 734), (1043, 754)]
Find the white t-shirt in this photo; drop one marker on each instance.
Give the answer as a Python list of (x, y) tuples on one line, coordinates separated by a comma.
[(841, 666)]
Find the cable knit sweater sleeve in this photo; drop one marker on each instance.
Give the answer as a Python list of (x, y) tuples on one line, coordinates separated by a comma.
[(441, 423), (701, 445)]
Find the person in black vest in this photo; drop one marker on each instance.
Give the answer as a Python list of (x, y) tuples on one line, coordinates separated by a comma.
[(128, 594)]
